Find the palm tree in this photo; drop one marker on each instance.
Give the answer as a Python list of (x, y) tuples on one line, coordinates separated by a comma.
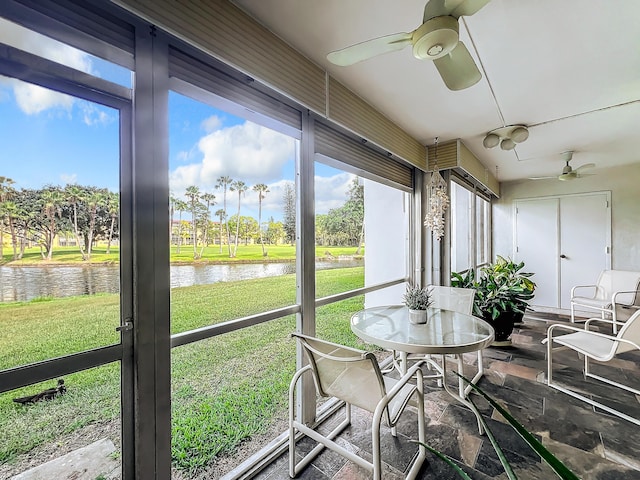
[(95, 200), (113, 208), (224, 182), (193, 194), (209, 199), (9, 210), (221, 214), (180, 206), (6, 191), (240, 187), (75, 195), (262, 190), (172, 208), (52, 199)]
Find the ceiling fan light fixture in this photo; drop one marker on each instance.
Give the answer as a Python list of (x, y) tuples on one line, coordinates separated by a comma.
[(507, 137), (507, 144), (491, 140), (519, 134)]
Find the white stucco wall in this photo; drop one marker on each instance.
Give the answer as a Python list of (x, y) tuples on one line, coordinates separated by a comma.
[(386, 230), (624, 184)]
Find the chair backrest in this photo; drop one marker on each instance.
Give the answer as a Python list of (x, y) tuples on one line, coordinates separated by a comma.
[(612, 281), (629, 331), (453, 298), (346, 373)]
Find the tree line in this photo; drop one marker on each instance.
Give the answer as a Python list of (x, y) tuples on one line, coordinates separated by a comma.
[(344, 225), (37, 216), (201, 229)]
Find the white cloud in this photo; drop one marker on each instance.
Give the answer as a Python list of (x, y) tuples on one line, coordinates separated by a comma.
[(247, 152), (69, 178), (211, 124), (33, 99), (183, 156), (332, 192), (95, 115)]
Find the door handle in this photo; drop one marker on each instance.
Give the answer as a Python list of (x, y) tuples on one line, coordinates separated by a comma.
[(563, 256), (126, 327)]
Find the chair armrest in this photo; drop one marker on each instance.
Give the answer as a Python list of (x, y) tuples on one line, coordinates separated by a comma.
[(573, 289), (415, 369), (560, 326), (596, 334), (615, 294), (589, 321)]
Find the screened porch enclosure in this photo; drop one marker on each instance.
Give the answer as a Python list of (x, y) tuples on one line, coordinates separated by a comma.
[(224, 147)]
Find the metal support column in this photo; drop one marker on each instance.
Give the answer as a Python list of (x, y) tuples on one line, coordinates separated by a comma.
[(151, 281), (305, 259)]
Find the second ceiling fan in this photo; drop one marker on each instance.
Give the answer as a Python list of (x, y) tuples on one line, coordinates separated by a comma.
[(436, 39), (568, 173)]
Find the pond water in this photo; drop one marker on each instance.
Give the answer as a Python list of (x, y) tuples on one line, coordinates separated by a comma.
[(26, 283)]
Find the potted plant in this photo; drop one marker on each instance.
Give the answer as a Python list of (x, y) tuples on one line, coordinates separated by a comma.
[(502, 295), (417, 301)]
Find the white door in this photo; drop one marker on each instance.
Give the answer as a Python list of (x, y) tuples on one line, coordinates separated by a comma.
[(584, 241), (565, 241), (536, 238)]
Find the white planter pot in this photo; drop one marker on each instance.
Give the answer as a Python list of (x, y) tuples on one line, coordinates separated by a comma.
[(418, 316)]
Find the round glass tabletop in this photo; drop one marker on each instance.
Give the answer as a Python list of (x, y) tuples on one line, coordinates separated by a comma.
[(446, 331)]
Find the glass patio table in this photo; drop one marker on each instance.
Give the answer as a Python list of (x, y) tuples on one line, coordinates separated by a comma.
[(446, 332)]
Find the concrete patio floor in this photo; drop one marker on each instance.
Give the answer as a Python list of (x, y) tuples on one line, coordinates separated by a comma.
[(594, 444)]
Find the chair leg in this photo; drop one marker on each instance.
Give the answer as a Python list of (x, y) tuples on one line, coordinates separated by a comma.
[(586, 366), (375, 451), (573, 313), (461, 385), (549, 361), (422, 451)]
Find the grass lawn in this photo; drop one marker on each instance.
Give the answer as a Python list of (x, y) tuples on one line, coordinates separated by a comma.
[(225, 389), (246, 253)]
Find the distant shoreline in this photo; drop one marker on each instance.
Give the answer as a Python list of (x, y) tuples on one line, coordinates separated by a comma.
[(231, 261)]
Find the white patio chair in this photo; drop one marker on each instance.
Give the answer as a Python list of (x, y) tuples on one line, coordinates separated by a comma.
[(614, 289), (453, 298), (458, 300), (354, 376), (596, 346)]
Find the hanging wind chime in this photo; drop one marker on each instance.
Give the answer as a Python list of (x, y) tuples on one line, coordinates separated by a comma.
[(437, 199)]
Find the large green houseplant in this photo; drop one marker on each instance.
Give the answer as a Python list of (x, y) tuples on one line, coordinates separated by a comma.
[(502, 294)]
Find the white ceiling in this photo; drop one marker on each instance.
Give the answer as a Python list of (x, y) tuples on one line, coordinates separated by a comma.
[(568, 69)]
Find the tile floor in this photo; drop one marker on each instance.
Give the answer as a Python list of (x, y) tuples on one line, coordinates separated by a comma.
[(594, 444)]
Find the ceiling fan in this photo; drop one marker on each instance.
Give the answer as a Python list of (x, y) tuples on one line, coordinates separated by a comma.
[(436, 39), (568, 173)]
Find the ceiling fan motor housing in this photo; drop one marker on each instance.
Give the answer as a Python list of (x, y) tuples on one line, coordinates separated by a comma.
[(435, 38)]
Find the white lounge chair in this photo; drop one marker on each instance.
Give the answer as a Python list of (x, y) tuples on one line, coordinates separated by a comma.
[(354, 376), (614, 289), (596, 346)]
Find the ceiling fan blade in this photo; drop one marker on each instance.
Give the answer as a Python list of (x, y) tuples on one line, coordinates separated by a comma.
[(468, 8), (586, 166), (439, 8), (458, 70), (370, 48), (435, 8), (541, 178), (567, 176)]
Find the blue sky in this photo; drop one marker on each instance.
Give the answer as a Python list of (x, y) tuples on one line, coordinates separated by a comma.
[(50, 138)]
